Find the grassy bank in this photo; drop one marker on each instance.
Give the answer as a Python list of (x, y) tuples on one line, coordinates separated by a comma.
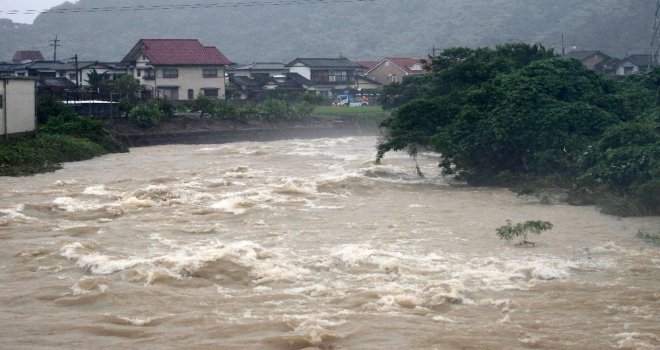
[(44, 153), (343, 111)]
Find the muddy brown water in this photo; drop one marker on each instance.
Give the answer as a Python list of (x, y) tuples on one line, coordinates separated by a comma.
[(306, 243)]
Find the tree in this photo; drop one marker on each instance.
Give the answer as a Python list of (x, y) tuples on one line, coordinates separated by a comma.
[(520, 230)]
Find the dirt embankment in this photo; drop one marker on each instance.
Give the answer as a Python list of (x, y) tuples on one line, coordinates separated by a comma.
[(193, 129)]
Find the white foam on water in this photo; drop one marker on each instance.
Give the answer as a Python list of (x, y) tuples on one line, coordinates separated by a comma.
[(206, 259), (14, 215), (636, 340), (96, 190), (62, 183)]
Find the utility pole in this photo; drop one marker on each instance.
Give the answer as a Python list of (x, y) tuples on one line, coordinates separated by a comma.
[(75, 57), (563, 49), (654, 50), (55, 43)]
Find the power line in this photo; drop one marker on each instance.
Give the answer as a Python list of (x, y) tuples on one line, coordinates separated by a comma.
[(254, 3)]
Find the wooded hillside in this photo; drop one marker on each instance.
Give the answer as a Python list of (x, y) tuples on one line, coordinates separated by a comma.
[(358, 30)]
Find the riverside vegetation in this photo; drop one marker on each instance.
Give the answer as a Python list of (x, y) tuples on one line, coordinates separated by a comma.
[(63, 137), (520, 116)]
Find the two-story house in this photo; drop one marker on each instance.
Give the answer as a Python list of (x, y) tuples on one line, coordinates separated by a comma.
[(394, 69), (178, 69), (326, 76)]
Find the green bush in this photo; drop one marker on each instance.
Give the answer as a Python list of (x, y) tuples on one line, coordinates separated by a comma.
[(301, 110), (146, 115), (204, 105), (225, 110), (44, 153), (273, 109)]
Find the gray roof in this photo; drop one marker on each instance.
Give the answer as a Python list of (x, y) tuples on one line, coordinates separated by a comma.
[(582, 55), (341, 62), (56, 82), (639, 60), (43, 65), (262, 66)]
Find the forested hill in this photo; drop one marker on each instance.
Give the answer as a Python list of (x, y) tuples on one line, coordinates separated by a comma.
[(369, 29)]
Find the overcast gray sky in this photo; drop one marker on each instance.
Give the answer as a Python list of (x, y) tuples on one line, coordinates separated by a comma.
[(22, 5)]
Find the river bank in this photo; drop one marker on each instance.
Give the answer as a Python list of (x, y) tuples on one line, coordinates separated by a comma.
[(189, 129)]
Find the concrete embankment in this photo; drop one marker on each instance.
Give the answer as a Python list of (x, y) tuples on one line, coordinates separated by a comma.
[(336, 128)]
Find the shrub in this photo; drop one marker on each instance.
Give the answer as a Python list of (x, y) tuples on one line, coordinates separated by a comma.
[(301, 110), (520, 230), (68, 123), (146, 115), (44, 153), (225, 110), (273, 109), (204, 105)]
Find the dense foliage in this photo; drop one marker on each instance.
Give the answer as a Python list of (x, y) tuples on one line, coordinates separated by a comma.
[(44, 153), (518, 111), (271, 109), (63, 137)]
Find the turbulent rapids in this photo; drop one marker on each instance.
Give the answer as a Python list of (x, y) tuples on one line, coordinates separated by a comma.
[(306, 243)]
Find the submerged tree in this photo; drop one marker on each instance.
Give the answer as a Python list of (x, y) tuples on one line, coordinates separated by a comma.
[(520, 230)]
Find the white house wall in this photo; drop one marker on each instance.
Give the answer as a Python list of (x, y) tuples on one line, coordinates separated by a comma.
[(19, 106), (190, 77), (304, 71)]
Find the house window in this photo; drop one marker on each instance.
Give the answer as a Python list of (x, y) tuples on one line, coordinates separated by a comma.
[(2, 102), (170, 93), (320, 76), (209, 73), (170, 73), (149, 74), (139, 72), (72, 77), (191, 94), (340, 75), (210, 92), (394, 78)]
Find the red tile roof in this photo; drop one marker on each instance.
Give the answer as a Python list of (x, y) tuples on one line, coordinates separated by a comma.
[(367, 64), (21, 56), (407, 64), (178, 52)]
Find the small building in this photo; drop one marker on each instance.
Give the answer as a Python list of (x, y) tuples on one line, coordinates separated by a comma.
[(395, 69), (634, 64), (178, 69), (325, 76), (17, 106), (261, 71), (596, 61), (112, 70)]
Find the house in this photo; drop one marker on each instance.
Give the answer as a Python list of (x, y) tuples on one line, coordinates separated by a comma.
[(17, 106), (366, 66), (395, 69), (325, 76), (113, 70), (41, 69), (178, 69), (261, 71), (27, 56), (591, 59), (596, 61), (634, 64)]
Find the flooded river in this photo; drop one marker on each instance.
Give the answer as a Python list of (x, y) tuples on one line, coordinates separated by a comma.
[(306, 243)]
